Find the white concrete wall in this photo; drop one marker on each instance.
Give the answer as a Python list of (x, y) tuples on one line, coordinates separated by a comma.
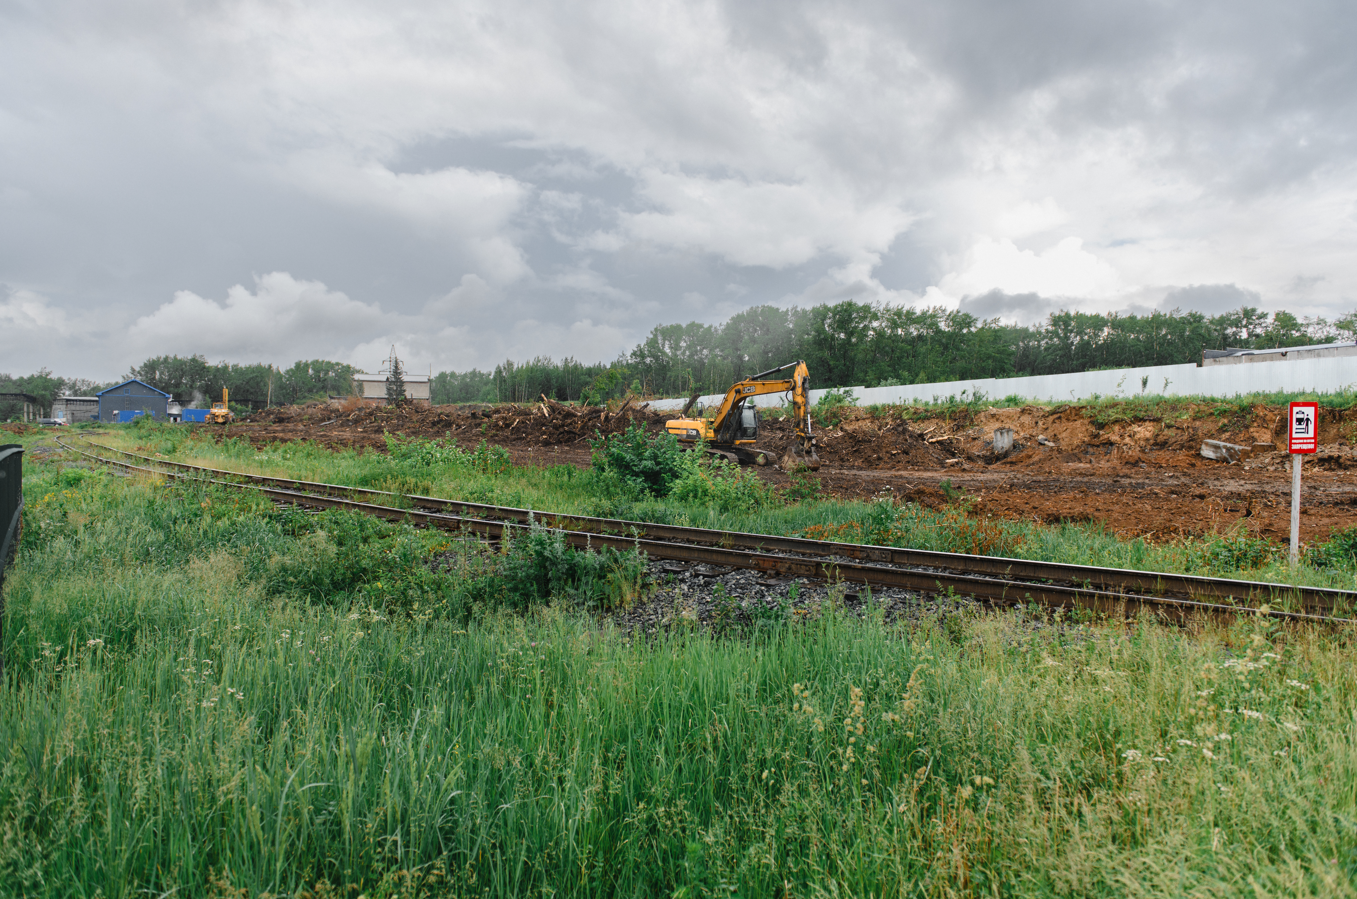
[(1324, 375)]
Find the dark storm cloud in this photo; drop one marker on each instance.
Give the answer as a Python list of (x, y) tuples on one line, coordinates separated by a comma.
[(1210, 299), (1022, 309)]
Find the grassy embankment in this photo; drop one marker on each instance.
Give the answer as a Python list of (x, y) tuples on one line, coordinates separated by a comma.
[(742, 503), (205, 696)]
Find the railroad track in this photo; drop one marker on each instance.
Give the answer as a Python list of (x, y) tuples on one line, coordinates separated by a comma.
[(1112, 591)]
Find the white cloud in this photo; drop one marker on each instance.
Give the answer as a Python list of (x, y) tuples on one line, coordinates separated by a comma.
[(281, 320), (1030, 218), (1064, 270), (473, 208), (25, 315), (763, 223)]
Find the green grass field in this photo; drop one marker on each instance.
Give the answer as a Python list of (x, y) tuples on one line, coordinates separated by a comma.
[(206, 696)]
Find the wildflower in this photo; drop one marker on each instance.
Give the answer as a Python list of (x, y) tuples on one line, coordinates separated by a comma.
[(1131, 755), (1298, 685), (1186, 743), (1250, 713), (1205, 692), (1208, 753), (1159, 758), (95, 642)]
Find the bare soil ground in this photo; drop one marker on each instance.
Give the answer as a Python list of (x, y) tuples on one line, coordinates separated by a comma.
[(1143, 476)]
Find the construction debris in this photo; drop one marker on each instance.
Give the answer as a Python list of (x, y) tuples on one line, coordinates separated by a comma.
[(1220, 451)]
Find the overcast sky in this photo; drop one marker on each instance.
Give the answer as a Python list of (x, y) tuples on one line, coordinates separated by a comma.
[(474, 181)]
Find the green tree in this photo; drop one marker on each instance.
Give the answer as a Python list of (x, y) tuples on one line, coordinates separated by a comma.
[(395, 383)]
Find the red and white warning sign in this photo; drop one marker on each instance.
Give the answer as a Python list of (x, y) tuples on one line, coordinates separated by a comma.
[(1304, 429)]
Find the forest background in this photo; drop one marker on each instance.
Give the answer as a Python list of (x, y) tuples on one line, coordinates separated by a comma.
[(846, 344)]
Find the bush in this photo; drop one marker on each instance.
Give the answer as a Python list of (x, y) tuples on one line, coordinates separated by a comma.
[(716, 482), (541, 566), (832, 406), (648, 465), (1239, 552), (1339, 551), (418, 453), (339, 555)]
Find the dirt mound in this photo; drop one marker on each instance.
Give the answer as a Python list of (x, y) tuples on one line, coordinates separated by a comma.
[(545, 424), (882, 444)]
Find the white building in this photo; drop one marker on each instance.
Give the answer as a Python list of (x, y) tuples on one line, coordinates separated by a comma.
[(372, 388)]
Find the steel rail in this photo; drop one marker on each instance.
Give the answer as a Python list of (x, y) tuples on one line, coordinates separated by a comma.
[(878, 566)]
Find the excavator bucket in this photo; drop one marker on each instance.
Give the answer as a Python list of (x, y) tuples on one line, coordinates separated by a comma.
[(801, 458)]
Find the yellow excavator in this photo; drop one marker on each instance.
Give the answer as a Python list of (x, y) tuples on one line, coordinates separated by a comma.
[(220, 413), (733, 430)]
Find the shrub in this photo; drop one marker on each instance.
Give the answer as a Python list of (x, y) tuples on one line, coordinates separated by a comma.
[(833, 404), (418, 453), (648, 465), (1239, 552), (339, 554), (541, 566), (1339, 551), (716, 482)]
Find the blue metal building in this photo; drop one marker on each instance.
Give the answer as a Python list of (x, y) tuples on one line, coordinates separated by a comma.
[(133, 396)]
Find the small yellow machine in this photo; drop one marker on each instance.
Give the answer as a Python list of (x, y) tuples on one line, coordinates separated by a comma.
[(220, 413), (733, 430)]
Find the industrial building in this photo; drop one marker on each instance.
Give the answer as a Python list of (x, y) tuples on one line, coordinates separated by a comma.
[(1279, 354), (75, 409), (133, 396), (372, 388), (23, 406)]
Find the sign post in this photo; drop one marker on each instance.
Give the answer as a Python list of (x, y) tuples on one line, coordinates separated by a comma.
[(1302, 438)]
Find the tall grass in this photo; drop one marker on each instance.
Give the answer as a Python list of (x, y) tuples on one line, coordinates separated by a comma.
[(177, 720), (569, 490)]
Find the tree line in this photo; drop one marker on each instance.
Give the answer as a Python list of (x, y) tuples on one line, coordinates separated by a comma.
[(845, 344), (193, 380), (44, 387), (850, 344)]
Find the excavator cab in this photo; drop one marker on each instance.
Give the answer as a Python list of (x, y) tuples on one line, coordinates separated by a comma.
[(749, 423), (741, 426)]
